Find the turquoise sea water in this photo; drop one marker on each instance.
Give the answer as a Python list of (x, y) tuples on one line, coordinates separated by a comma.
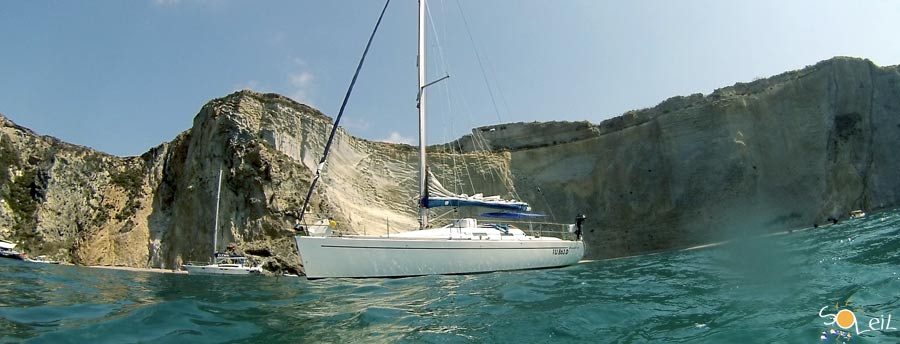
[(762, 290)]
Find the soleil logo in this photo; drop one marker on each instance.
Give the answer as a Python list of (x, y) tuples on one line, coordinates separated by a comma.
[(847, 320)]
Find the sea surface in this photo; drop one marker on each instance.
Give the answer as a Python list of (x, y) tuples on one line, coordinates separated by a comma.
[(753, 290)]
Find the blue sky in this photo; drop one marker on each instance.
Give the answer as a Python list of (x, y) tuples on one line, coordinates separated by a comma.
[(124, 76)]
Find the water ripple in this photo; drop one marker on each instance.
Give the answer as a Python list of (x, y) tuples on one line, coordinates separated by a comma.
[(751, 290)]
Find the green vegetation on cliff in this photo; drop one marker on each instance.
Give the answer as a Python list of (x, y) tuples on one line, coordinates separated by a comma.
[(131, 180)]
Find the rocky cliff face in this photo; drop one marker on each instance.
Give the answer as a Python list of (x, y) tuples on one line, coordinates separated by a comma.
[(784, 152), (778, 153), (158, 210)]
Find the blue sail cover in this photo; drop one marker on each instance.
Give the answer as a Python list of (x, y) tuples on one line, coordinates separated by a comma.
[(434, 202), (438, 196), (512, 215)]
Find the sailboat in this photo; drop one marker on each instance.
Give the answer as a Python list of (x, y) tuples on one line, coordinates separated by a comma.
[(7, 250), (223, 264), (464, 246)]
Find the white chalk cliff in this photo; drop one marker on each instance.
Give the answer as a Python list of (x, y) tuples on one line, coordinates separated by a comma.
[(784, 152)]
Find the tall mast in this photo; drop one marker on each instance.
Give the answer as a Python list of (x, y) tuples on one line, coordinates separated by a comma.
[(423, 212), (216, 222)]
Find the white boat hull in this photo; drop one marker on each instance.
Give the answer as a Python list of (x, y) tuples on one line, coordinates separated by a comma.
[(355, 257), (215, 269)]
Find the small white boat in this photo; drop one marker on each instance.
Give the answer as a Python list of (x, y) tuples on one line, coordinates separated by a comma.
[(224, 265), (857, 214), (6, 245), (7, 250), (41, 259)]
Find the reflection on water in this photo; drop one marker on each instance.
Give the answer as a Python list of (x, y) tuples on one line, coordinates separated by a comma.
[(751, 290)]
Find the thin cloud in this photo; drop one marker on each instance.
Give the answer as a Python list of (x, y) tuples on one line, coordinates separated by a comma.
[(277, 39), (252, 85), (173, 3), (299, 85), (395, 137), (301, 82), (166, 2), (356, 124)]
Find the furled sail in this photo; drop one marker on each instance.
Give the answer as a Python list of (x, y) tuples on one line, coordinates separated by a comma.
[(438, 196)]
